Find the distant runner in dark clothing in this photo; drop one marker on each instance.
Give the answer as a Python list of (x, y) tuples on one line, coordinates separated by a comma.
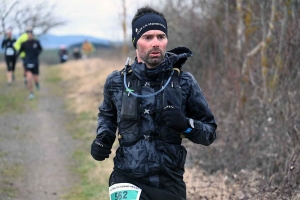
[(63, 54), (76, 54), (10, 55), (17, 46), (32, 49)]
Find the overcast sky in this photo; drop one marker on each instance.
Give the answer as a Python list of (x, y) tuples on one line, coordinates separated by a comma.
[(99, 18)]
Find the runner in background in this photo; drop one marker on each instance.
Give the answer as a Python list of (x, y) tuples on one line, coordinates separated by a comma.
[(87, 49), (23, 38), (63, 54), (10, 55), (76, 54), (32, 49)]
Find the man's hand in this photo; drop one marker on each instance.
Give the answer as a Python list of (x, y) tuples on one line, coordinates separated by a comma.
[(174, 118), (101, 148)]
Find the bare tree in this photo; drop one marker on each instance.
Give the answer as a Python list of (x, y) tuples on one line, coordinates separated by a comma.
[(253, 90), (124, 28), (40, 16), (5, 10)]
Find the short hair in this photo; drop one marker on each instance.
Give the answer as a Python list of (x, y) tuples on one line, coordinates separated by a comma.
[(28, 29), (146, 10)]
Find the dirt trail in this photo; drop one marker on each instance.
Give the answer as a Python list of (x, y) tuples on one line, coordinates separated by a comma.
[(38, 142)]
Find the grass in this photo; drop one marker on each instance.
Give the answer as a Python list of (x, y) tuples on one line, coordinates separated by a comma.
[(81, 123), (88, 188), (54, 79), (13, 98), (93, 182), (9, 172)]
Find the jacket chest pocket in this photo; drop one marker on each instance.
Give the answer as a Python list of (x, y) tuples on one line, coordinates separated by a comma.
[(173, 93)]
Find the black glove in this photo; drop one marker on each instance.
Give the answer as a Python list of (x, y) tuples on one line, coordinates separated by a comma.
[(101, 148), (174, 118)]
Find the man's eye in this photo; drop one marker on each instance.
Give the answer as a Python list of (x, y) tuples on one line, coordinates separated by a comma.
[(161, 37)]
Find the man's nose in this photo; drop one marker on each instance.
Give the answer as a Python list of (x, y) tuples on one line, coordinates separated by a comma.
[(155, 42)]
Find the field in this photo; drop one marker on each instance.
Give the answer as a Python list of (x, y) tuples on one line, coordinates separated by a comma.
[(68, 103)]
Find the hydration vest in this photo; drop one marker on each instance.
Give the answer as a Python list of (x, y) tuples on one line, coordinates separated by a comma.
[(130, 125)]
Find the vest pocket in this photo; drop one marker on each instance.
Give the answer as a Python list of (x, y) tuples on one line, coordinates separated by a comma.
[(129, 109), (130, 133)]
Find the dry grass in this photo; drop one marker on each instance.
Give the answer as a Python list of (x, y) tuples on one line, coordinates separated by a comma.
[(85, 80)]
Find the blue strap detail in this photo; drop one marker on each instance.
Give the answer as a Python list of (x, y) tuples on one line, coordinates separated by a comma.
[(145, 95), (188, 130)]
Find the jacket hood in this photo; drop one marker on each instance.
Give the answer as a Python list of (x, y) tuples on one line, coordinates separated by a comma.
[(174, 58), (179, 55)]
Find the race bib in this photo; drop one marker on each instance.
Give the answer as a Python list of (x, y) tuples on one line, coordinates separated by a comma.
[(65, 57), (30, 65), (10, 51), (124, 191)]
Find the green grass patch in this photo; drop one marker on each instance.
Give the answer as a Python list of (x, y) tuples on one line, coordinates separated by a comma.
[(53, 74), (55, 82), (13, 98), (12, 102), (81, 126), (89, 188), (82, 129), (7, 174), (12, 171), (8, 191)]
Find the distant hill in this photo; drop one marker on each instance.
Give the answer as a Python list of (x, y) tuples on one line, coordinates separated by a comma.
[(49, 41)]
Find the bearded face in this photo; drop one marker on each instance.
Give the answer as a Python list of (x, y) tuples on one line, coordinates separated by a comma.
[(151, 48)]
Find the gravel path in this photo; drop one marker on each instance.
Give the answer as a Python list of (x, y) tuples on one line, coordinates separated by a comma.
[(37, 142)]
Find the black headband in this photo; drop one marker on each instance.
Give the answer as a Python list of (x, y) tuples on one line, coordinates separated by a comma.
[(146, 23)]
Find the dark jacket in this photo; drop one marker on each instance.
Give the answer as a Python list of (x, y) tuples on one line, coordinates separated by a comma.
[(76, 55), (32, 49), (158, 160), (8, 46), (63, 55)]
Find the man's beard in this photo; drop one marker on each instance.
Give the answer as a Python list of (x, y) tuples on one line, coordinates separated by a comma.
[(153, 61)]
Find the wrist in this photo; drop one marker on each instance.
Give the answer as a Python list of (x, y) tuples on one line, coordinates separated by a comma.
[(188, 130), (190, 126)]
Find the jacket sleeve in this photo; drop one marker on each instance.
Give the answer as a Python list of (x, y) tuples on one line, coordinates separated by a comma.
[(204, 131), (21, 49), (40, 49), (17, 45), (107, 116), (20, 40)]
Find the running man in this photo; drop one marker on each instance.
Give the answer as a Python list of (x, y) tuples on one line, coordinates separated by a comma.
[(23, 38), (10, 55), (32, 49), (152, 104)]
